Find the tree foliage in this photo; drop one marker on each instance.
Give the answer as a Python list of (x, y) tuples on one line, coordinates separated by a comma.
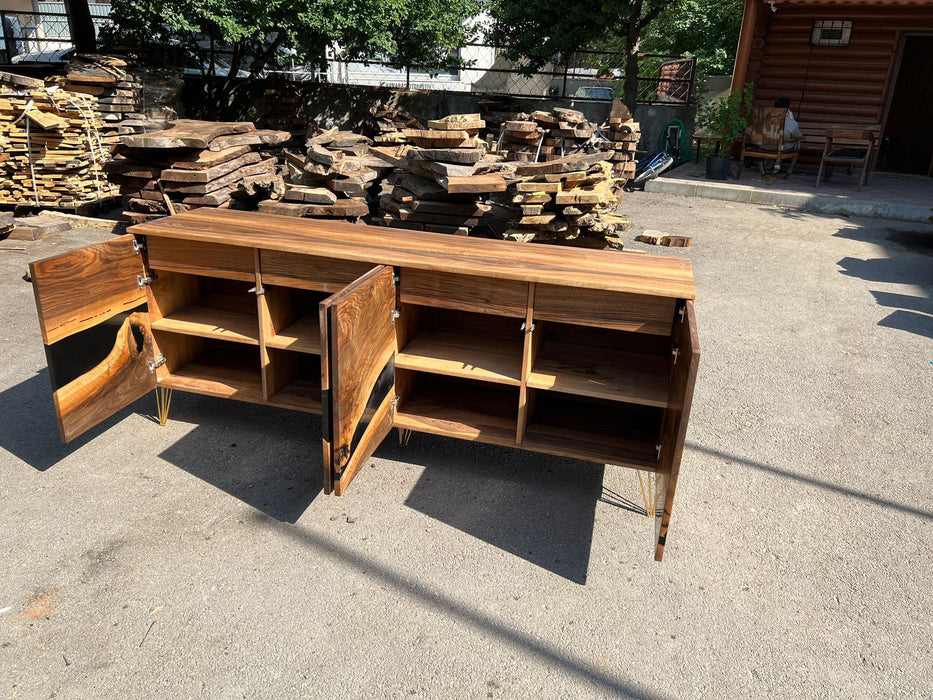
[(707, 29), (539, 31), (728, 116), (232, 39)]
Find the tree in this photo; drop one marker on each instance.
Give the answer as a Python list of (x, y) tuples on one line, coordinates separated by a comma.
[(708, 30), (428, 33), (539, 31), (232, 42)]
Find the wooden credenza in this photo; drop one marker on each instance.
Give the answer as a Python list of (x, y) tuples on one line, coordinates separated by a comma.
[(586, 354)]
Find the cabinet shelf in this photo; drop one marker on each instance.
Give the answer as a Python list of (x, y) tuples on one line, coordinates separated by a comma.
[(206, 321), (595, 430), (299, 394), (465, 410), (464, 355), (302, 336), (601, 373), (228, 374)]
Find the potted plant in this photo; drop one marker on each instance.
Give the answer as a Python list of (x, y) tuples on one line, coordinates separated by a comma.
[(727, 117)]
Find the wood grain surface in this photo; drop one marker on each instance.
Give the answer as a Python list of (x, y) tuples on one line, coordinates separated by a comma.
[(674, 430), (360, 341), (81, 288), (464, 292), (121, 378), (609, 270), (200, 258), (621, 311)]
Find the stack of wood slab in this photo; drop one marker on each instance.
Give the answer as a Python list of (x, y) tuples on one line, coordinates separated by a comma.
[(386, 127), (567, 200), (54, 152), (332, 179), (442, 179), (196, 164), (543, 136), (623, 134), (117, 92)]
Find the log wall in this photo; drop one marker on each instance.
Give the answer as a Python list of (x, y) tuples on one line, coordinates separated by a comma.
[(831, 84)]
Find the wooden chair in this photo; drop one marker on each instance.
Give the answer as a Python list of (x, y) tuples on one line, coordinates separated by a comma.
[(850, 147), (764, 138)]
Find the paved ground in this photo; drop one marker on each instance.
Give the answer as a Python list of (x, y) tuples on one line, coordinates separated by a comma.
[(200, 559), (886, 195)]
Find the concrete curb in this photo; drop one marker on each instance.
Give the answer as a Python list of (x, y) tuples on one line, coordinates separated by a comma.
[(823, 204)]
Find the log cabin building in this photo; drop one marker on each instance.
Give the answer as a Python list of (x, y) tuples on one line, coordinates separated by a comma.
[(861, 63)]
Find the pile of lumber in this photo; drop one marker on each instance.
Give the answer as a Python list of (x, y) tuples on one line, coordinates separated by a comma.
[(54, 153), (196, 164), (623, 135), (543, 136), (442, 179), (567, 200), (333, 178), (117, 92), (386, 127)]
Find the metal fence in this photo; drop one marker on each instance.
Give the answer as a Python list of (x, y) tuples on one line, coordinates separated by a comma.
[(474, 68), (43, 36), (480, 68)]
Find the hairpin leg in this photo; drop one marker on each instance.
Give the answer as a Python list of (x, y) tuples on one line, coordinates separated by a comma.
[(163, 403), (403, 436)]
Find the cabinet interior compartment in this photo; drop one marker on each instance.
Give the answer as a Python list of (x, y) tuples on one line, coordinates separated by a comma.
[(460, 344), (209, 366), (291, 319), (462, 408), (598, 430), (293, 380), (207, 307), (601, 363)]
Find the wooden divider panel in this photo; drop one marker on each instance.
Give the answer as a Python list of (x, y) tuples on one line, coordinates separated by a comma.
[(464, 292), (309, 271), (592, 307), (198, 258)]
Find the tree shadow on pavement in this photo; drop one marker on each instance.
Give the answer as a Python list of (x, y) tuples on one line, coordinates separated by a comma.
[(480, 618), (810, 481), (908, 262), (537, 507)]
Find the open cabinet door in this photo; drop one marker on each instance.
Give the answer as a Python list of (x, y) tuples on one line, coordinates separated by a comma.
[(95, 326), (674, 430), (357, 374)]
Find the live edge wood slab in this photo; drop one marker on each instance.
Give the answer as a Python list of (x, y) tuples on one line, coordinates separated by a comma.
[(591, 355)]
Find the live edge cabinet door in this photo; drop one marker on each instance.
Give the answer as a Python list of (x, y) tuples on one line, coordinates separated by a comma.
[(95, 326), (357, 374)]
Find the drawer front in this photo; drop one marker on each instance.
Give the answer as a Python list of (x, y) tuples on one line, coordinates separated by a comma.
[(308, 271), (594, 307), (464, 292), (197, 258)]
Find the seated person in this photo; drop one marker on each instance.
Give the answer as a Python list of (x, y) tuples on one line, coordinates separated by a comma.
[(791, 127)]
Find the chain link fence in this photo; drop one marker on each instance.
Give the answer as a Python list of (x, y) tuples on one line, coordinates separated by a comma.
[(480, 68), (43, 36)]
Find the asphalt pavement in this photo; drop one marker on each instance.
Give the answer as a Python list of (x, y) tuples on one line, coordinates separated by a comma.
[(202, 560)]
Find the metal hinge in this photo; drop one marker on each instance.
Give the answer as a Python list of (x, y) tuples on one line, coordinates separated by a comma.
[(676, 353), (395, 314), (682, 311), (657, 448), (394, 402), (138, 245), (158, 362), (531, 328), (143, 281), (257, 292)]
